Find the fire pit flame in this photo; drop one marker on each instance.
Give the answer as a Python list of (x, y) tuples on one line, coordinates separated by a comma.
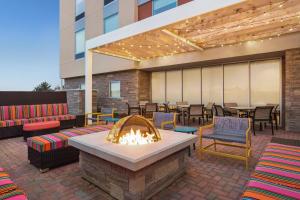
[(136, 138), (133, 130)]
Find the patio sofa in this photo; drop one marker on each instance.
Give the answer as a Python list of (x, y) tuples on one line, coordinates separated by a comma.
[(277, 174), (52, 150), (19, 108), (8, 189), (13, 117)]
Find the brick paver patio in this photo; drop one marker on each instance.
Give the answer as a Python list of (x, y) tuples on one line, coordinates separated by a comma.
[(210, 178)]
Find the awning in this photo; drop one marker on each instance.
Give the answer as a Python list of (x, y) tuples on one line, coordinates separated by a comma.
[(200, 25)]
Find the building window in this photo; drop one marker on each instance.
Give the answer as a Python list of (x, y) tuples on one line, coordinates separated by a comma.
[(79, 44), (111, 23), (111, 15), (79, 11), (107, 2), (115, 89), (163, 5)]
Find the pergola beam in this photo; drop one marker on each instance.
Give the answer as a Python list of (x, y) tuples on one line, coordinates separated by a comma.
[(182, 39)]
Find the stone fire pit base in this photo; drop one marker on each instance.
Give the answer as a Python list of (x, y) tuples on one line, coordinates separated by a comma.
[(122, 183)]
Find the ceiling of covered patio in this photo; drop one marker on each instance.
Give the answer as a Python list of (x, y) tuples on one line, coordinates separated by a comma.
[(254, 20)]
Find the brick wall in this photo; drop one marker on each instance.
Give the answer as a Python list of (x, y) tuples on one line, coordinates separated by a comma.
[(292, 90), (135, 86)]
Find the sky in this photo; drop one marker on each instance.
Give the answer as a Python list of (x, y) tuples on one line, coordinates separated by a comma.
[(29, 44)]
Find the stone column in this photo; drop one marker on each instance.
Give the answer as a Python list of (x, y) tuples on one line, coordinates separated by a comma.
[(292, 90)]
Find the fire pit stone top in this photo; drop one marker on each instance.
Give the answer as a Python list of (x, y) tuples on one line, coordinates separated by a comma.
[(133, 157)]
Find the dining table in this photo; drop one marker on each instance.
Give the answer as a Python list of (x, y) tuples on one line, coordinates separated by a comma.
[(244, 109)]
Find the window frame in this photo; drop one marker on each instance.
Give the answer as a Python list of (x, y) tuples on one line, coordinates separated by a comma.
[(104, 29), (79, 55), (81, 15), (110, 87), (153, 10)]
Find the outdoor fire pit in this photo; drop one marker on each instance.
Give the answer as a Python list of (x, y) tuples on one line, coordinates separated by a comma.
[(133, 130), (134, 160)]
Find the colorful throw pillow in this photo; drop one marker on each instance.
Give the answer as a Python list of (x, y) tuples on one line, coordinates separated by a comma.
[(35, 111), (26, 111), (6, 184), (12, 112), (55, 109), (19, 112), (50, 109), (4, 113), (44, 110)]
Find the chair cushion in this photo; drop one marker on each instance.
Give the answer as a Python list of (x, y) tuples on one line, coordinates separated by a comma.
[(14, 195), (6, 184), (41, 125), (227, 136), (231, 123), (277, 174), (60, 140)]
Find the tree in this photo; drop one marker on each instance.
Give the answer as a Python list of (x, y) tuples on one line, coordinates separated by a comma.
[(43, 87)]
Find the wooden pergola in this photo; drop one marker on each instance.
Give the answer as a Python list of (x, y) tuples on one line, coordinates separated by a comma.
[(195, 26), (230, 25)]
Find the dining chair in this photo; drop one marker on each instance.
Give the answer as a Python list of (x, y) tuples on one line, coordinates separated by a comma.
[(133, 109), (227, 108), (275, 114), (219, 111), (150, 108), (196, 111), (262, 114), (208, 110)]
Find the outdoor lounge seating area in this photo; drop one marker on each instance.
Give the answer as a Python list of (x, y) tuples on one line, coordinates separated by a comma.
[(158, 100)]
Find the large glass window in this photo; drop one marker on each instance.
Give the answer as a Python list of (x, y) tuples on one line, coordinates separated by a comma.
[(111, 23), (163, 5), (236, 84), (79, 11), (79, 44), (158, 87), (115, 89), (265, 82), (107, 1), (192, 85), (212, 85), (174, 86)]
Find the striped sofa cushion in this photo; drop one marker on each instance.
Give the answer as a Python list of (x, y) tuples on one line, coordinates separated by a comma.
[(60, 140), (35, 111), (277, 174), (4, 113), (14, 195), (6, 184)]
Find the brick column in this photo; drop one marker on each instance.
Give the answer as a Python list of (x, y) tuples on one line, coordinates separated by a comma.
[(292, 90)]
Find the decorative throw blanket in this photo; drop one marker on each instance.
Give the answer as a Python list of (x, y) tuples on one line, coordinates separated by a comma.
[(277, 174)]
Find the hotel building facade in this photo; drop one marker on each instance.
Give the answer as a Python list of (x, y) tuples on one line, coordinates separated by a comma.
[(248, 72)]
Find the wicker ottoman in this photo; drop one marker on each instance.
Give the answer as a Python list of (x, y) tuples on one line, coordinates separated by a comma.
[(52, 150), (40, 128)]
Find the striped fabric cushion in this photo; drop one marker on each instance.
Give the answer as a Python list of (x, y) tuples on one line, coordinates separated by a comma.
[(26, 112), (19, 112), (12, 112), (59, 140), (4, 113), (277, 174), (35, 111), (16, 122), (55, 109), (6, 184), (14, 195), (44, 110)]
